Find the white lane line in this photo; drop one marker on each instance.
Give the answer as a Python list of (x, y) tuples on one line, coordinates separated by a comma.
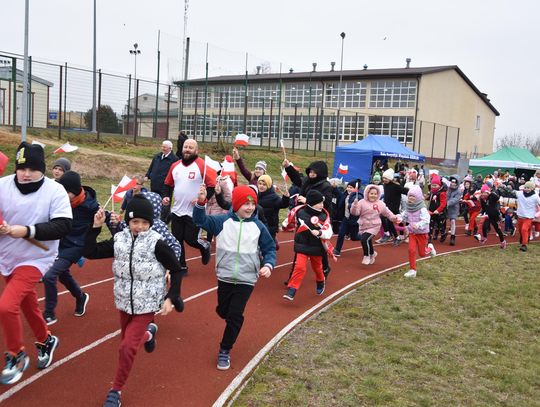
[(233, 389)]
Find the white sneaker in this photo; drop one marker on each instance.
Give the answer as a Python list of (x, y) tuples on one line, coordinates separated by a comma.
[(372, 258), (466, 226), (536, 234), (365, 260), (410, 273), (433, 252)]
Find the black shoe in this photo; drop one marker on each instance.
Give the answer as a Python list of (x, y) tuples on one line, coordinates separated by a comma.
[(326, 271), (396, 242), (320, 287), (113, 399), (289, 295), (150, 345), (46, 351), (475, 231), (452, 240), (468, 233), (523, 248), (50, 318), (80, 305), (443, 237), (205, 254)]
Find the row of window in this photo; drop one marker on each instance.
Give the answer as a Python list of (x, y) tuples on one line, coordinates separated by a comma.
[(351, 94), (352, 128)]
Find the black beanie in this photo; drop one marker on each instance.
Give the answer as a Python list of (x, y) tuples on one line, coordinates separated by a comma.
[(71, 182), (355, 182), (30, 156), (314, 197), (140, 207)]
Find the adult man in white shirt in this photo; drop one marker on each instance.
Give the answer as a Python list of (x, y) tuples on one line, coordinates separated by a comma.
[(183, 180)]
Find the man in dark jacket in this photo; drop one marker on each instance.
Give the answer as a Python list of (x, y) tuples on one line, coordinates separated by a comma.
[(84, 206), (158, 170)]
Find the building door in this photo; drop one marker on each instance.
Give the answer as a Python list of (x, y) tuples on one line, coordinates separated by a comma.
[(19, 108)]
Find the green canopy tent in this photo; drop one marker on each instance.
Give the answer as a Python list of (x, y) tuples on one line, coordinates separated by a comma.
[(512, 159)]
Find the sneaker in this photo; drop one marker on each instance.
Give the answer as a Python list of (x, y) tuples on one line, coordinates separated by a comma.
[(336, 253), (383, 239), (478, 237), (452, 240), (50, 319), (326, 272), (410, 273), (289, 295), (523, 248), (503, 244), (365, 260), (433, 252), (468, 233), (483, 240), (15, 366), (372, 258), (466, 226), (320, 287), (536, 235), (150, 344), (205, 254), (113, 399), (443, 237), (80, 305), (46, 351), (396, 242), (224, 359)]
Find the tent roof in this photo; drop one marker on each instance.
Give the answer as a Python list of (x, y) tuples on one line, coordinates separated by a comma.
[(508, 157), (382, 146)]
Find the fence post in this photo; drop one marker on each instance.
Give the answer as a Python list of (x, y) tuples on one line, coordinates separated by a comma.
[(128, 105), (195, 117), (65, 91), (14, 82), (420, 136), (98, 115), (294, 126), (219, 116), (270, 122), (457, 142), (321, 128), (60, 104), (168, 110), (433, 141), (445, 142), (31, 108)]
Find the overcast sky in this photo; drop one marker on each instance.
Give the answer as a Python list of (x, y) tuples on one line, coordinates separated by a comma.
[(495, 43)]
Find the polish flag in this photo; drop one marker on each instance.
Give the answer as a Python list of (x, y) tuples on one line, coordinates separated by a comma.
[(343, 169), (241, 140), (125, 184), (208, 162), (303, 227), (3, 163), (117, 197), (284, 175), (66, 148)]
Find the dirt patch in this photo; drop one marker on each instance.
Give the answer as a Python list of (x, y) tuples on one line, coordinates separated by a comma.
[(89, 163)]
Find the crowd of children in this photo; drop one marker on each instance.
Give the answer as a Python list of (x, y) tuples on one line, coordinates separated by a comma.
[(243, 220)]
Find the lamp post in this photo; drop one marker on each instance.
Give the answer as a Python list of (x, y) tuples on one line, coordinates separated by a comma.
[(135, 51), (94, 73), (342, 35)]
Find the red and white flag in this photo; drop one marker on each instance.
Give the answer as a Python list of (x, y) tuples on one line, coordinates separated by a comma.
[(125, 184), (65, 148), (303, 227), (227, 166), (343, 169), (241, 140), (209, 162), (117, 197), (284, 175), (3, 163)]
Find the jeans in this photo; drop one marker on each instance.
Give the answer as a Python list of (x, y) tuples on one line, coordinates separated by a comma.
[(345, 227), (59, 271)]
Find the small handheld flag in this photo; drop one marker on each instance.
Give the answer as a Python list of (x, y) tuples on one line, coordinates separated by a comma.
[(65, 148), (241, 140), (343, 169)]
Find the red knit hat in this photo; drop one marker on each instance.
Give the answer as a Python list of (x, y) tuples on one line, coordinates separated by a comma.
[(242, 194), (435, 180)]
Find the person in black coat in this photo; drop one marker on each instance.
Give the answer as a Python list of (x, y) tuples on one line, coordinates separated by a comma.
[(180, 143), (158, 170), (271, 203)]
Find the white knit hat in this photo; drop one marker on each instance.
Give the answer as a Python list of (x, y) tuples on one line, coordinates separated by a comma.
[(388, 174)]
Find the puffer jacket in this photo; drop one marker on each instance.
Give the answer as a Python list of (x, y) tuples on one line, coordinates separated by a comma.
[(271, 203), (320, 183), (139, 278), (369, 213), (453, 196)]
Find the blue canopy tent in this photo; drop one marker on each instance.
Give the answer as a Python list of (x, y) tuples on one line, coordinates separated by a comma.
[(359, 156)]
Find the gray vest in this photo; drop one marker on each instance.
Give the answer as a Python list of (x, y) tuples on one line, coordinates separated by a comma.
[(139, 278)]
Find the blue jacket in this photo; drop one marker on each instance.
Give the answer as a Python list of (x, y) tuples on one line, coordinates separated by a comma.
[(158, 170), (240, 243), (71, 246)]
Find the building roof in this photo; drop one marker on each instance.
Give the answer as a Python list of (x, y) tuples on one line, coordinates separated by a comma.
[(5, 74), (369, 74)]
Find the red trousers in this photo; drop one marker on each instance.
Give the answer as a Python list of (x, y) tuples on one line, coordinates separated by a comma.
[(300, 268), (134, 334), (20, 294), (472, 219), (524, 227), (417, 243)]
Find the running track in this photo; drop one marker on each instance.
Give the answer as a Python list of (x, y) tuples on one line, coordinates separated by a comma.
[(182, 370)]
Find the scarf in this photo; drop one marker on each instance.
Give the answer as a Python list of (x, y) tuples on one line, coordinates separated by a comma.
[(29, 187), (415, 206), (79, 199)]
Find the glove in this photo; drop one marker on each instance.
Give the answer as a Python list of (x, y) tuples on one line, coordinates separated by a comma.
[(174, 291)]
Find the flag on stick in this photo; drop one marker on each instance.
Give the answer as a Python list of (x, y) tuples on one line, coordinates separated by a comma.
[(283, 148), (241, 140), (65, 148), (124, 185), (343, 169)]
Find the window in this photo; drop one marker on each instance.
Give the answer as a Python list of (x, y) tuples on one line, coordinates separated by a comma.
[(352, 128), (399, 127), (303, 94), (231, 96), (392, 94), (353, 94), (262, 94), (477, 127)]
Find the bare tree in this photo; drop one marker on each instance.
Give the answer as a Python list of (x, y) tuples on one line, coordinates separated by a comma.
[(531, 143)]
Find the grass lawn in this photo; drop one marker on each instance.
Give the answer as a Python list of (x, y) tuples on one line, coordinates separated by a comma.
[(465, 332)]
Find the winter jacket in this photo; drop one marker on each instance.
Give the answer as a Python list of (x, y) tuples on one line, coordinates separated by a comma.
[(369, 213), (212, 206), (139, 269), (491, 206), (240, 243), (248, 175), (320, 183), (453, 196), (392, 196), (158, 170), (271, 204), (304, 241), (72, 245), (418, 221), (437, 202)]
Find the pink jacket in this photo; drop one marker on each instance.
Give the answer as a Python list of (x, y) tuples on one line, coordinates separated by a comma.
[(212, 207), (370, 212)]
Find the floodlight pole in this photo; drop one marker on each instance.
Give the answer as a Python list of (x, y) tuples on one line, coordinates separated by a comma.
[(342, 35), (24, 101)]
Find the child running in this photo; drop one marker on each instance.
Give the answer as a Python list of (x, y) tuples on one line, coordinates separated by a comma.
[(369, 211), (527, 203), (417, 216), (491, 210), (141, 259), (453, 199), (241, 241), (312, 225)]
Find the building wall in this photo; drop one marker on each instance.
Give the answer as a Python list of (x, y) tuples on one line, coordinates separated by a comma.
[(38, 112), (444, 97)]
